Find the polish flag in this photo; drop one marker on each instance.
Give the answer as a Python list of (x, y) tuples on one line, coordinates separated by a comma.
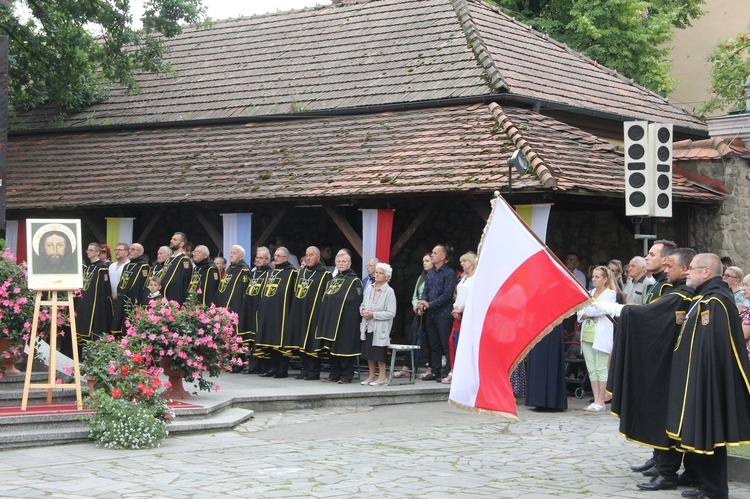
[(521, 291), (377, 229)]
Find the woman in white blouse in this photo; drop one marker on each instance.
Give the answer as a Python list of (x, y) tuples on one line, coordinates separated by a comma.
[(469, 265), (597, 333), (377, 310)]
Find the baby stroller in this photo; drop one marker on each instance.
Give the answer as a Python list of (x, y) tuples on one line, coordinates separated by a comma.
[(576, 375)]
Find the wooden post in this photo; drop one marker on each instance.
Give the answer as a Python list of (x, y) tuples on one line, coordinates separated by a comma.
[(52, 372)]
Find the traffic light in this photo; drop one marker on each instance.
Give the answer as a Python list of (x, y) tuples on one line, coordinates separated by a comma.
[(660, 149), (638, 170)]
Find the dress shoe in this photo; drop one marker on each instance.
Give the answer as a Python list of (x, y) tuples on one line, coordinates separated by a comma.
[(652, 472), (430, 377), (267, 374), (659, 483), (694, 494), (331, 380), (685, 480), (299, 376), (280, 375), (253, 371), (312, 377), (645, 466), (344, 381)]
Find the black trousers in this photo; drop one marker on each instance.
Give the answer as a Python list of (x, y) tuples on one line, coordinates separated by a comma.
[(668, 462), (438, 332), (713, 473), (310, 365), (342, 367)]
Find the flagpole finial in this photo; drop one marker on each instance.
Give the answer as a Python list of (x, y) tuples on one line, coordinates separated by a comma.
[(497, 194)]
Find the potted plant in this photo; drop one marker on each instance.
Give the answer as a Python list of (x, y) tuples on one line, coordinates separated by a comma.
[(16, 310), (187, 341), (130, 413), (99, 360)]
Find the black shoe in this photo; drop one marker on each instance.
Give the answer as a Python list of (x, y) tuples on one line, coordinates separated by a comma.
[(659, 483), (312, 377), (430, 377), (267, 374), (645, 466), (253, 371), (694, 494), (685, 480), (280, 375), (301, 375), (652, 472)]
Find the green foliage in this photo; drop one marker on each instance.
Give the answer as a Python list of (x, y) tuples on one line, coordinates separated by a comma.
[(100, 357), (16, 301), (70, 51), (121, 424), (730, 69), (630, 36)]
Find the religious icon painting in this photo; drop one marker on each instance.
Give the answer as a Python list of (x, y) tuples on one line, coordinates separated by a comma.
[(54, 254)]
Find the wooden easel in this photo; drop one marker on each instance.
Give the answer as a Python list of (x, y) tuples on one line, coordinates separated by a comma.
[(52, 373)]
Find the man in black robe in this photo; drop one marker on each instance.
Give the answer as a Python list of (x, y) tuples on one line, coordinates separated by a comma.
[(273, 313), (309, 288), (234, 283), (339, 319), (639, 380), (93, 308), (177, 270), (131, 290), (204, 283), (709, 391), (249, 314), (162, 255)]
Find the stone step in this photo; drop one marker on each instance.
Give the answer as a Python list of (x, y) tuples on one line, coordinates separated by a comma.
[(53, 429)]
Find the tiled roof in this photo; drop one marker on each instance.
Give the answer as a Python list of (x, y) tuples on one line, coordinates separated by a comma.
[(449, 150), (381, 53), (708, 149)]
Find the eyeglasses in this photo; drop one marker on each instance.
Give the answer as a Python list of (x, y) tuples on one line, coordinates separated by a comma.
[(729, 275), (699, 267)]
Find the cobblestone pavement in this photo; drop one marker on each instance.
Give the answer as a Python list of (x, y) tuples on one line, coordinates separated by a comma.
[(411, 450)]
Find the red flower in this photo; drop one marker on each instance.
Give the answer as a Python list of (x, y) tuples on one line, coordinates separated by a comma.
[(124, 370), (137, 358), (116, 394)]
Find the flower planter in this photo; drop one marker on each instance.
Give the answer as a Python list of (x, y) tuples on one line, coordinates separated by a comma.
[(176, 391), (8, 363)]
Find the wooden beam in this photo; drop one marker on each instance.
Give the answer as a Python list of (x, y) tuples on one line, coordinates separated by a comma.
[(484, 209), (211, 230), (350, 234), (99, 236), (411, 229), (271, 227), (151, 224)]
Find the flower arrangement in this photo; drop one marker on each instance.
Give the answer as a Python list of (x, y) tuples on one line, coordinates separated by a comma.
[(130, 413), (196, 338), (16, 304), (99, 358)]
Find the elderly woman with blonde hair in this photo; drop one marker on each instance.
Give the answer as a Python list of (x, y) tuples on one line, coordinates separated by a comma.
[(468, 263), (377, 310)]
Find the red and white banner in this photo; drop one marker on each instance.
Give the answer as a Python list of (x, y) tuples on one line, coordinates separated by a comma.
[(521, 291), (377, 229)]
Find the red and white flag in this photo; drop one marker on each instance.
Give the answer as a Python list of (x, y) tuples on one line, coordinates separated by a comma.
[(377, 228), (521, 291)]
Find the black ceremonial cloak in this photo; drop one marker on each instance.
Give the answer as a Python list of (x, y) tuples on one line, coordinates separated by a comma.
[(175, 277), (273, 307), (709, 392), (641, 364), (545, 372), (338, 323), (249, 313), (93, 307), (657, 289), (130, 290), (204, 283), (309, 289), (232, 286)]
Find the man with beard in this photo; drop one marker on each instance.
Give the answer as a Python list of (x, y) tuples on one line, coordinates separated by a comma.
[(177, 271), (639, 379), (131, 290), (339, 318), (56, 254), (309, 288), (249, 314), (204, 282), (93, 310), (709, 391), (234, 283), (273, 312)]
